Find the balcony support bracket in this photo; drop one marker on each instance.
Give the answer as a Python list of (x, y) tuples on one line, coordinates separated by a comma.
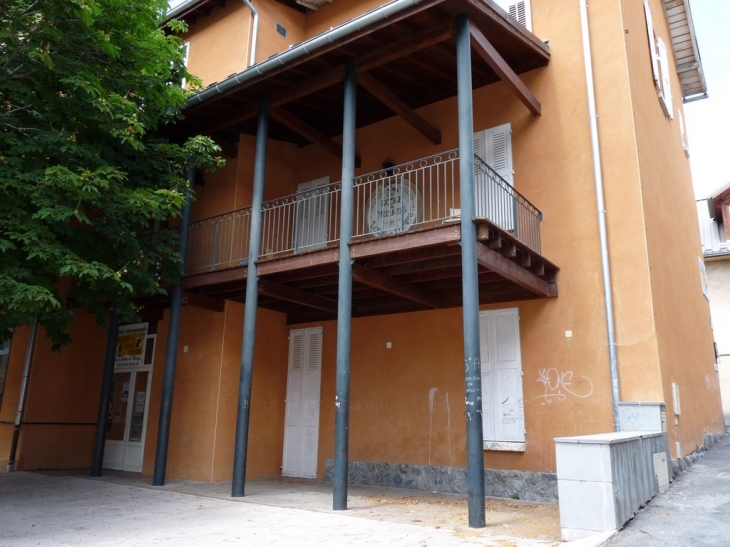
[(486, 51)]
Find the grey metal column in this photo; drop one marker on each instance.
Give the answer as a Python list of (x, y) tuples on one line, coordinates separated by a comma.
[(252, 297), (23, 393), (470, 282), (344, 295), (106, 390), (173, 334)]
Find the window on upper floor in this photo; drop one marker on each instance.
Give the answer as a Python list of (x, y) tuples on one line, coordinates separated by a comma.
[(519, 9), (659, 65)]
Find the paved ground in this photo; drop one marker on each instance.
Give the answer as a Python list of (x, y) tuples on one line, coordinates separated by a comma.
[(62, 508), (694, 511)]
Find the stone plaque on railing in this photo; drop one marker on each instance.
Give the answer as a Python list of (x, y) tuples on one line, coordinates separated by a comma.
[(394, 207)]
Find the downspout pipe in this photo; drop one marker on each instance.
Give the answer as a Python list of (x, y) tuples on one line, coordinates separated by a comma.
[(601, 211), (255, 33), (23, 394)]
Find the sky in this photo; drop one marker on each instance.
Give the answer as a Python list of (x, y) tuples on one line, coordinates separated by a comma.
[(707, 121)]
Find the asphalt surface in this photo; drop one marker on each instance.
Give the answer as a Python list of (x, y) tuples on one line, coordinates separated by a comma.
[(695, 511)]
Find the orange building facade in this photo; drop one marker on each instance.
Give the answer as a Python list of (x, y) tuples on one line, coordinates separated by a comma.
[(546, 364)]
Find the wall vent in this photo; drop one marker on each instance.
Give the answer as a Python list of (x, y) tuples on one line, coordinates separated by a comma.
[(281, 30)]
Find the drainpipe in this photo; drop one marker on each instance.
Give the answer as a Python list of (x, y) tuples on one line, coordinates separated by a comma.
[(601, 206), (255, 35), (23, 393)]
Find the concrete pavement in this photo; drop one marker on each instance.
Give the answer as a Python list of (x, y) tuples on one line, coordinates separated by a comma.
[(694, 511), (61, 509)]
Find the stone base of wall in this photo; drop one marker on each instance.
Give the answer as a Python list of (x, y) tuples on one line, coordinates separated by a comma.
[(528, 485), (682, 464)]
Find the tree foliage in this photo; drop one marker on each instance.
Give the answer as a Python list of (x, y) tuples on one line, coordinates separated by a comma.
[(84, 179)]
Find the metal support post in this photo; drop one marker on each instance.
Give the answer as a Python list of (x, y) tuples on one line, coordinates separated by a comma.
[(344, 294), (252, 296), (23, 393), (173, 334), (470, 282), (106, 391)]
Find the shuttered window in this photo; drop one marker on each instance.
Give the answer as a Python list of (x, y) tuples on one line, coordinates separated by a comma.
[(520, 10), (501, 360), (494, 200), (659, 64)]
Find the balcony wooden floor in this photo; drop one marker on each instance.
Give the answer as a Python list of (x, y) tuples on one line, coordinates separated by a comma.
[(411, 271)]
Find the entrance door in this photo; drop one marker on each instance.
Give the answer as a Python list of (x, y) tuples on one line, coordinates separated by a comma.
[(312, 226), (301, 426), (127, 418)]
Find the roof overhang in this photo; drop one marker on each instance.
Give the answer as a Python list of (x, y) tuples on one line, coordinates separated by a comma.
[(717, 200), (686, 50), (405, 46), (190, 10)]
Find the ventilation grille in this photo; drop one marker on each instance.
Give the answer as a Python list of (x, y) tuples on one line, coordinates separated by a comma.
[(281, 30)]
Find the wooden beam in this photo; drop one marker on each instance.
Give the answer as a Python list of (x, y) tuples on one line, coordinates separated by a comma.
[(290, 294), (298, 262), (204, 302), (335, 75), (214, 278), (407, 46), (310, 133), (406, 241), (392, 101), (497, 263), (377, 280), (487, 52)]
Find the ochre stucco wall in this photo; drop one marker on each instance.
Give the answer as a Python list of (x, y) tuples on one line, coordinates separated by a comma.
[(681, 312), (62, 401), (220, 42)]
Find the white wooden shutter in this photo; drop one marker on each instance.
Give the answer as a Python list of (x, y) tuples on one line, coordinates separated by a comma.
[(485, 345), (502, 400), (509, 421), (652, 44), (312, 221), (494, 200), (519, 9), (682, 133), (301, 427), (499, 150), (666, 95), (310, 411), (294, 388)]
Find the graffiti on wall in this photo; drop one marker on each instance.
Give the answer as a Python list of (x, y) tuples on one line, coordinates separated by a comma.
[(559, 385)]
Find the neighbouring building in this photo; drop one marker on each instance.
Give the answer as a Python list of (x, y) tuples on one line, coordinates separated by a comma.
[(555, 148), (715, 230)]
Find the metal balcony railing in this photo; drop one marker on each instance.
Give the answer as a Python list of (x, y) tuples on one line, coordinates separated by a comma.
[(412, 195)]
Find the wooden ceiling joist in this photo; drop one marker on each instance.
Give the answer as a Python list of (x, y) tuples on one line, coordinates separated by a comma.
[(487, 52), (378, 280), (391, 100), (336, 75), (290, 294), (495, 262), (309, 133)]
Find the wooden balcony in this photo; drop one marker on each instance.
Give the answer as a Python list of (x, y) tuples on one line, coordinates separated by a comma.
[(405, 247)]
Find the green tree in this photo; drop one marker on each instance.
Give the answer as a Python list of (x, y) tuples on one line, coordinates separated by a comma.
[(85, 86)]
